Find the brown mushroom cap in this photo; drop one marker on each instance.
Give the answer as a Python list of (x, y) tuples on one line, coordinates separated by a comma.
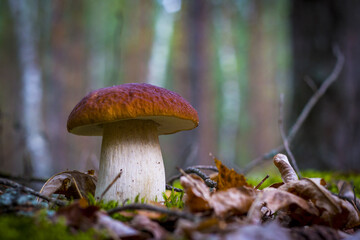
[(132, 101)]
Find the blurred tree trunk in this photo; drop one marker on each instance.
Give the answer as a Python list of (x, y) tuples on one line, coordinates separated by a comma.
[(67, 81), (200, 76), (37, 150), (263, 102), (11, 131), (330, 137)]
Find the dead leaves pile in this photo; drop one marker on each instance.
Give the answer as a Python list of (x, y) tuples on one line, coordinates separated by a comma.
[(294, 203), (234, 209)]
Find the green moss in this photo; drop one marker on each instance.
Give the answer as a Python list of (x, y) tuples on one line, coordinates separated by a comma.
[(21, 227), (330, 177)]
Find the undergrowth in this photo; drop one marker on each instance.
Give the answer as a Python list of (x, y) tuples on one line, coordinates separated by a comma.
[(39, 228)]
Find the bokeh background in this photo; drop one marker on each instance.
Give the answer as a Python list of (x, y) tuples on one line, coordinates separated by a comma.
[(231, 59)]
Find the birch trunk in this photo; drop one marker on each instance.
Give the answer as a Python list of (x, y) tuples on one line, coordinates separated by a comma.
[(24, 13)]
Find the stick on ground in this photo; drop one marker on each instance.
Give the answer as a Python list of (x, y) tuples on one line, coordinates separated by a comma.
[(28, 190), (138, 206)]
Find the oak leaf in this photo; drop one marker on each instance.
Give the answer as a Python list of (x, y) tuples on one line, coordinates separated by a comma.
[(228, 178)]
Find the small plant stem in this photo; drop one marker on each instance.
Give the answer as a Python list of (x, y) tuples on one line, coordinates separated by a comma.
[(262, 181)]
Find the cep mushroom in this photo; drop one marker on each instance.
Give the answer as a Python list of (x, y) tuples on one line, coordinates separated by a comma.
[(130, 117)]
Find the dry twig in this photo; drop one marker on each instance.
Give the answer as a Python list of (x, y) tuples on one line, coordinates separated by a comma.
[(305, 112), (170, 212), (262, 181), (28, 190), (169, 187), (196, 170), (284, 138)]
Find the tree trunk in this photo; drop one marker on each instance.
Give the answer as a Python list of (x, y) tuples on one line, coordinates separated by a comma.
[(199, 22), (32, 88), (331, 135)]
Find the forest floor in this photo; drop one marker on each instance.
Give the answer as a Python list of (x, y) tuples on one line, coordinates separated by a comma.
[(206, 202)]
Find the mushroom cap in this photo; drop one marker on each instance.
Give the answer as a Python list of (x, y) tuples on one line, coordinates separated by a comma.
[(132, 101)]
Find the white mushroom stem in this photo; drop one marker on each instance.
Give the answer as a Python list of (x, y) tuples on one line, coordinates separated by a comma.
[(132, 146)]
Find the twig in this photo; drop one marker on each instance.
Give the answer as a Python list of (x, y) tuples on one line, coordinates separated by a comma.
[(262, 181), (196, 170), (319, 93), (110, 185), (284, 138), (305, 112), (22, 179), (169, 187), (138, 206), (28, 190)]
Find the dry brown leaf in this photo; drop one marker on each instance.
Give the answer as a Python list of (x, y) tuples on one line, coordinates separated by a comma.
[(274, 200), (232, 201), (334, 212), (310, 190), (80, 216), (228, 178), (287, 172), (197, 194), (116, 229), (141, 222), (73, 184)]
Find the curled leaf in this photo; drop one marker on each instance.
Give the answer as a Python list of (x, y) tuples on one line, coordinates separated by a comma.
[(73, 184), (197, 194), (274, 200), (334, 211), (287, 172)]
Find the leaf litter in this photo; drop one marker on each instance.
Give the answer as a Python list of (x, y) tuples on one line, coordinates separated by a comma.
[(234, 209)]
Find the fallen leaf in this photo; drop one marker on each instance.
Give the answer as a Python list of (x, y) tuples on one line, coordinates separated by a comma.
[(114, 227), (317, 232), (81, 217), (141, 223), (274, 200), (197, 194), (228, 178), (73, 184), (312, 191), (334, 212), (232, 201), (271, 231), (77, 216)]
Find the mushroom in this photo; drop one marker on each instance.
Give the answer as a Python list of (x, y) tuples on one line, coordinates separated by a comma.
[(130, 117)]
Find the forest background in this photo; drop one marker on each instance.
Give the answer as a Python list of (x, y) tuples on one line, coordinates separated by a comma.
[(230, 59)]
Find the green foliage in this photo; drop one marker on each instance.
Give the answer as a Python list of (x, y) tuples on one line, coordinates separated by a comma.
[(330, 177), (174, 200), (22, 227)]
